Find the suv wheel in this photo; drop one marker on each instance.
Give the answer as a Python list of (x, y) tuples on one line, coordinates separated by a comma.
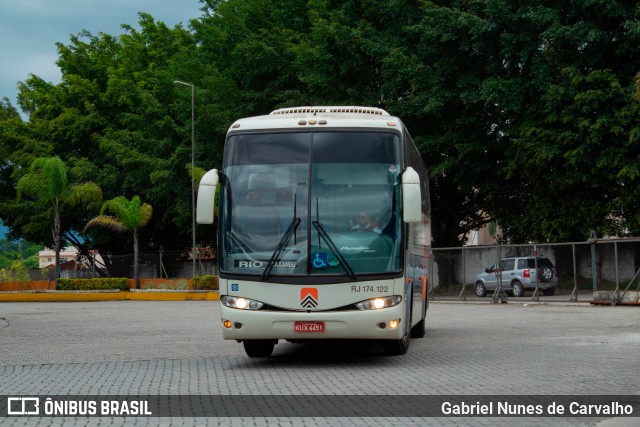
[(481, 290), (517, 289), (546, 274)]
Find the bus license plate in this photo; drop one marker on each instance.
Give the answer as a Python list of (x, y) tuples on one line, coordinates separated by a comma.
[(308, 326)]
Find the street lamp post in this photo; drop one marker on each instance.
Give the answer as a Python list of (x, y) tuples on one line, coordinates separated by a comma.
[(193, 161)]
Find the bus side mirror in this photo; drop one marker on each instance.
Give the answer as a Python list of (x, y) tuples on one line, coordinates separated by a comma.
[(411, 197), (207, 197)]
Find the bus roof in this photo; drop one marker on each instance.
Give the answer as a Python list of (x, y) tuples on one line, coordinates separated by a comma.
[(311, 117)]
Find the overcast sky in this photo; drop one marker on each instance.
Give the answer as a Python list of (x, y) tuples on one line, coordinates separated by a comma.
[(29, 30)]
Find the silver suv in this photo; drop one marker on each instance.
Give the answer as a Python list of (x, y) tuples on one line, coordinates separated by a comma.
[(519, 274)]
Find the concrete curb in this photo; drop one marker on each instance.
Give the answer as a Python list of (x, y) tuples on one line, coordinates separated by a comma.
[(110, 296)]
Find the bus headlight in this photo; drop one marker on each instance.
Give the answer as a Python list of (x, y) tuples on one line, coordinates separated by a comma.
[(240, 303), (378, 303)]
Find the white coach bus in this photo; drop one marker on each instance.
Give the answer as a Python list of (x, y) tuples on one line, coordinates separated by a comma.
[(324, 229)]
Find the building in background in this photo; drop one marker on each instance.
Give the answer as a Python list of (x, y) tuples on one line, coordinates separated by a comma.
[(480, 237), (68, 258)]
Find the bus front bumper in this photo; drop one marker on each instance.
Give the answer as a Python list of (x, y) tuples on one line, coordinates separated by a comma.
[(386, 324)]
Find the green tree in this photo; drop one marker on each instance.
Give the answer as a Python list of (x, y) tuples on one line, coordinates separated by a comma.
[(21, 250), (117, 119), (16, 258), (577, 163), (128, 215), (524, 112), (47, 183), (573, 156), (19, 146)]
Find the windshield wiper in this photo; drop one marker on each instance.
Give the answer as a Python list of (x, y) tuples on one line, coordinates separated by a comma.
[(284, 241), (343, 262), (239, 244)]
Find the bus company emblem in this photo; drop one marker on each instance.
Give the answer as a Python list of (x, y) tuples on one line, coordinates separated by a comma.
[(309, 297), (249, 264), (261, 264)]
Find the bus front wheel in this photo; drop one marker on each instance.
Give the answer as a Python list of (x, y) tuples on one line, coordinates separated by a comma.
[(397, 347), (258, 348)]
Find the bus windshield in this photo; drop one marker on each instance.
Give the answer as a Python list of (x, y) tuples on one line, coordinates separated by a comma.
[(311, 204)]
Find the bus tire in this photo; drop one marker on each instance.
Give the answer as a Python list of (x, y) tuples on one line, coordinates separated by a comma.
[(258, 348), (397, 347)]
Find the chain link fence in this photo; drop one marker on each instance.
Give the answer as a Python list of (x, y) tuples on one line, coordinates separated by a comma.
[(176, 264), (165, 264), (581, 268)]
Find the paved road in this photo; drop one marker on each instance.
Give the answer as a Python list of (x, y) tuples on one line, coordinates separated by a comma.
[(175, 348)]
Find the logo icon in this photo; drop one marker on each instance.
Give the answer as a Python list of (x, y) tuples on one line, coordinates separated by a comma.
[(23, 406), (309, 297), (235, 287), (319, 260)]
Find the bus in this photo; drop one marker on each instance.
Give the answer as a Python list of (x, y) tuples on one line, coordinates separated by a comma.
[(323, 229)]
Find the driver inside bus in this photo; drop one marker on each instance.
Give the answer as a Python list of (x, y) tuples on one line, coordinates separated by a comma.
[(261, 189), (365, 222)]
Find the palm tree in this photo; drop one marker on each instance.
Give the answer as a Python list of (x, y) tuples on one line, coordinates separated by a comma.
[(47, 182), (128, 216)]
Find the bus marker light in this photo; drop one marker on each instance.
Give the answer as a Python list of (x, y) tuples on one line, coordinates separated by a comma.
[(313, 122), (391, 123), (302, 122), (393, 324), (226, 323), (322, 122)]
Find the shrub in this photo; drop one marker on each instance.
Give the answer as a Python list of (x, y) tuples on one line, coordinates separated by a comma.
[(178, 285), (208, 282), (181, 285), (96, 284)]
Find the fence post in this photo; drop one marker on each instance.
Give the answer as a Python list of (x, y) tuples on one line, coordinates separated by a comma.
[(162, 269), (615, 248), (463, 295), (594, 269), (616, 293), (574, 294), (536, 295), (499, 296)]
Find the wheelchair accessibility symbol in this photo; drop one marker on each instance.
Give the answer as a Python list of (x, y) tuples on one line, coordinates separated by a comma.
[(319, 260)]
